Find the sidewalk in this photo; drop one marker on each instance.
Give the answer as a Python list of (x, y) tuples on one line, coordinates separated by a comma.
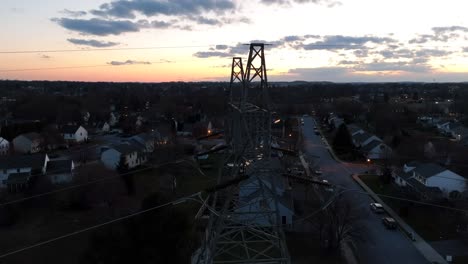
[(424, 248)]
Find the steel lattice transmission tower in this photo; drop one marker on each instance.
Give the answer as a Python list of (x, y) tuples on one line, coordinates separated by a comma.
[(244, 223)]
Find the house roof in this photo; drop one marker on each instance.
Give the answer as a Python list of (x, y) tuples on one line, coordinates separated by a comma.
[(143, 137), (371, 145), (427, 170), (460, 130), (2, 141), (18, 178), (69, 129), (442, 122), (22, 161), (421, 188), (454, 125), (126, 148), (404, 175), (31, 136), (362, 137), (353, 128), (59, 166)]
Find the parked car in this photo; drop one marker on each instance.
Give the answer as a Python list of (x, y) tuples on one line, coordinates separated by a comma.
[(318, 172), (389, 223), (328, 187), (377, 208)]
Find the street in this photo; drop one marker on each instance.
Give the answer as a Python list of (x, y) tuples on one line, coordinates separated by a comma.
[(378, 244)]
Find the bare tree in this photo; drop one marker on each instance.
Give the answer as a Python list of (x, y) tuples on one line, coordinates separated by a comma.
[(338, 224)]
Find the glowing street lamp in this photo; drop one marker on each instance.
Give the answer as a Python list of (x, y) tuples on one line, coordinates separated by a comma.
[(277, 121)]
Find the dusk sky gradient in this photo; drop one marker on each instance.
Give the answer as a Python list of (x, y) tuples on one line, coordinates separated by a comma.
[(313, 40)]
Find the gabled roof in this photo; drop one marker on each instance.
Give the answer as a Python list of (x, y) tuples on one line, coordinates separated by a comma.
[(126, 148), (22, 161), (18, 178), (69, 129), (59, 166), (31, 136), (371, 145), (454, 125), (362, 137), (354, 128), (427, 170), (421, 188)]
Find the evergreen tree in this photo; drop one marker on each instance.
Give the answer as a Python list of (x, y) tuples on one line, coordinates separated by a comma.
[(343, 142)]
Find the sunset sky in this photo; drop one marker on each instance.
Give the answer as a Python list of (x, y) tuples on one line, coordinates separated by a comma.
[(184, 40)]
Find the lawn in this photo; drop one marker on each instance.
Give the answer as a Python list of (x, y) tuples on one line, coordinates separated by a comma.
[(431, 223)]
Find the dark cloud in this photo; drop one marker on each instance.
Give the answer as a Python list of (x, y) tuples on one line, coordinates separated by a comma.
[(209, 54), (221, 47), (73, 13), (328, 3), (440, 34), (92, 43), (98, 27), (129, 9), (154, 24), (128, 62), (340, 42), (392, 66)]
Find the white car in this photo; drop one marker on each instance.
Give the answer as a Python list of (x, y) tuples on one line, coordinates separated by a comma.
[(327, 188), (318, 172), (377, 208)]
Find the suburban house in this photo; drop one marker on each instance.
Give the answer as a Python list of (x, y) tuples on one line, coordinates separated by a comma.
[(146, 140), (251, 198), (443, 126), (354, 130), (376, 149), (134, 155), (4, 146), (74, 134), (362, 139), (17, 171), (335, 121), (60, 171), (28, 143), (430, 180)]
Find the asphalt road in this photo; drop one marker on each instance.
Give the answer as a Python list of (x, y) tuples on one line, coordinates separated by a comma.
[(378, 244)]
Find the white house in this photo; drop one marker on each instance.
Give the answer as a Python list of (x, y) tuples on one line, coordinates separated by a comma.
[(28, 143), (17, 170), (376, 149), (104, 127), (60, 171), (74, 134), (426, 177), (134, 155), (4, 146)]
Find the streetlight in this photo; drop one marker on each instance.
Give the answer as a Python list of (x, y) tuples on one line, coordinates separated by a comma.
[(277, 121)]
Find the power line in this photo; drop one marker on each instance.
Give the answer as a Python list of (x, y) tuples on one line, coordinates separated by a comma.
[(104, 49), (174, 202), (91, 66), (89, 183)]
